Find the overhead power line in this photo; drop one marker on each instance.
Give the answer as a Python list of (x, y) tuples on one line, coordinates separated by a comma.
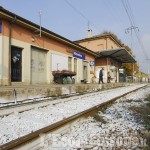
[(128, 10), (82, 15), (109, 6), (79, 12)]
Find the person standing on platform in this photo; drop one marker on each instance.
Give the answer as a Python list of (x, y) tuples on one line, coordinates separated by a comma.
[(101, 75), (108, 77)]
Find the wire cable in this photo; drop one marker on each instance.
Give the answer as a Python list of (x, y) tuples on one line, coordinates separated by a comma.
[(128, 10), (82, 15)]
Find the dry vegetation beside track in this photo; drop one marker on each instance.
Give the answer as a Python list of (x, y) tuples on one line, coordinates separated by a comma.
[(142, 115)]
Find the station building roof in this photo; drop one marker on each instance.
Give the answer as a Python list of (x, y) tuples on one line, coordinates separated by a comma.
[(119, 54), (102, 36), (13, 18)]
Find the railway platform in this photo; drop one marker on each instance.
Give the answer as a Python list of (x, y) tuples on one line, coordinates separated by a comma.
[(7, 93)]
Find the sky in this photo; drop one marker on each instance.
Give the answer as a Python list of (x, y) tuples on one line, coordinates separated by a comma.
[(71, 19)]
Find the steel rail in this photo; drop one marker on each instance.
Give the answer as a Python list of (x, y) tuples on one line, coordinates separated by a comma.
[(38, 100), (22, 140)]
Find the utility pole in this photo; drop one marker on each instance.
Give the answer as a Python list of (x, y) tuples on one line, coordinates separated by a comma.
[(148, 72), (40, 13), (38, 32), (130, 30)]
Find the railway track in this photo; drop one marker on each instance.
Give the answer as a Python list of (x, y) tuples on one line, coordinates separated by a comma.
[(33, 140)]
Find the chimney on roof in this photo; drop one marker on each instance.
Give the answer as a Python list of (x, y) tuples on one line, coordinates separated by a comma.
[(89, 33)]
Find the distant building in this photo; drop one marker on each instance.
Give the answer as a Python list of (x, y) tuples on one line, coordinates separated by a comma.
[(142, 77), (111, 55), (149, 78)]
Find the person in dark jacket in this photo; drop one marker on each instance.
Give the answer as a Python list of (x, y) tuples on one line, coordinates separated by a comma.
[(101, 75), (108, 77)]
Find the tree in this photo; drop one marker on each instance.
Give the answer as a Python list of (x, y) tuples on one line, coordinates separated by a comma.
[(129, 68)]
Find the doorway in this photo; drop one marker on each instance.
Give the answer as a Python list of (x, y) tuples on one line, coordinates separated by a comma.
[(38, 66), (16, 64), (85, 70)]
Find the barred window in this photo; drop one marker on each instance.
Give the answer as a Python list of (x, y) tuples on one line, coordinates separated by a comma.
[(70, 63), (75, 65)]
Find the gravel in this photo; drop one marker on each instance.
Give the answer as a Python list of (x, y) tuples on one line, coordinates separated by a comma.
[(120, 129), (15, 126)]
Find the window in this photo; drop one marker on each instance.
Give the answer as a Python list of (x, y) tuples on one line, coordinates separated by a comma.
[(0, 27), (16, 64), (75, 65), (70, 63)]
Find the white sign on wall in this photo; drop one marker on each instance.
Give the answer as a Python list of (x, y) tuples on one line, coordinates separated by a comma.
[(92, 63), (59, 62)]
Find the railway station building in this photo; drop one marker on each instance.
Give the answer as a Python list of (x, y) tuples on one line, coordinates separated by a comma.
[(29, 53), (111, 55)]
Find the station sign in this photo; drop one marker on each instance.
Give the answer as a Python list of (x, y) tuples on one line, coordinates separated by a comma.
[(79, 55), (92, 63), (0, 27)]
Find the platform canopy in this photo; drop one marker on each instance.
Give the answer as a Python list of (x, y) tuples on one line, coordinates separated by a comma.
[(120, 54)]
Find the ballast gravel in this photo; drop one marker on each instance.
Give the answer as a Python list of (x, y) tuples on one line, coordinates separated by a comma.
[(15, 126)]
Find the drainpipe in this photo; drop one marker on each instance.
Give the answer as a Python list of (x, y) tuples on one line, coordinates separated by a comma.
[(133, 72), (107, 64), (2, 60), (94, 65), (9, 52)]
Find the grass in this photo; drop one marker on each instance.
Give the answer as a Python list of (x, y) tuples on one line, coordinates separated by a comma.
[(103, 109), (142, 115), (148, 98), (99, 118), (138, 100), (130, 100)]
